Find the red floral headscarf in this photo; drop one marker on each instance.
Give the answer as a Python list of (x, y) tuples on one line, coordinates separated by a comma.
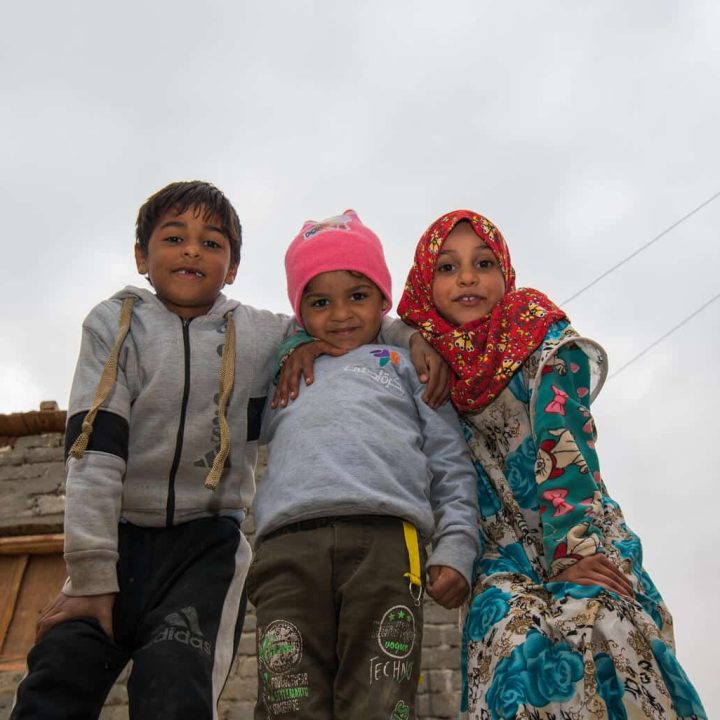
[(484, 353)]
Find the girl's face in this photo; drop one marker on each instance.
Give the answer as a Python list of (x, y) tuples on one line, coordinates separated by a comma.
[(342, 308), (468, 281)]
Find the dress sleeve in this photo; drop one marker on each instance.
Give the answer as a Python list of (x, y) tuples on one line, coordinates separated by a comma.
[(567, 470)]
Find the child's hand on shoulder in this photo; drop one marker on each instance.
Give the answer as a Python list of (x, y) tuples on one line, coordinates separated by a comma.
[(446, 586), (66, 607), (432, 370), (300, 364), (597, 570)]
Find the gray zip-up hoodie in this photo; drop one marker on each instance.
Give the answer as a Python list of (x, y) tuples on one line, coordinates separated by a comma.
[(157, 432)]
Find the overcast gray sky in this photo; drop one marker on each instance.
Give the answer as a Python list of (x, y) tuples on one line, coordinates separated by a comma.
[(581, 129)]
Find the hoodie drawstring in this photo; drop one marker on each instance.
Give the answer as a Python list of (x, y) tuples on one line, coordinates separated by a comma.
[(107, 380), (109, 376), (227, 378)]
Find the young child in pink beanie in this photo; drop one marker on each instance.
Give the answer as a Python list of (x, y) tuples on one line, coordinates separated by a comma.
[(361, 475)]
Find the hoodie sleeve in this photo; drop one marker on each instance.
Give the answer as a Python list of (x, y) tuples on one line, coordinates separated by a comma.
[(453, 488), (94, 481)]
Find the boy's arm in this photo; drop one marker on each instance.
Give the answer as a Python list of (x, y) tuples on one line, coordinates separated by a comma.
[(94, 481), (453, 492), (296, 359)]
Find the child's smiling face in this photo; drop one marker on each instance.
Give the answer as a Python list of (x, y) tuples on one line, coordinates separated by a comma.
[(468, 281), (342, 308), (188, 260)]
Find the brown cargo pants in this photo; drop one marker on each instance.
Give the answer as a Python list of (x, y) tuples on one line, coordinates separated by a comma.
[(339, 627)]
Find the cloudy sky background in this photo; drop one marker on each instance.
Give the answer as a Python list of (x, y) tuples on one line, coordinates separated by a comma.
[(582, 129)]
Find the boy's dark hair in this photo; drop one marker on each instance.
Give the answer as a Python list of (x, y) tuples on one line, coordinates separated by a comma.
[(179, 197)]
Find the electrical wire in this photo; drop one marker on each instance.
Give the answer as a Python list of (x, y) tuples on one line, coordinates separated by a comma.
[(667, 334), (644, 247)]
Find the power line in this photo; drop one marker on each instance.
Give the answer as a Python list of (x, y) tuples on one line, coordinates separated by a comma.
[(667, 334), (644, 247)]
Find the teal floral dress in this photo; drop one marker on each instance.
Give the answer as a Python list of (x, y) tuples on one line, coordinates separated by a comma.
[(538, 649)]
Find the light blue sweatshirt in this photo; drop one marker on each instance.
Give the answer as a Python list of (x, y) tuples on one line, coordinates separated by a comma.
[(360, 441)]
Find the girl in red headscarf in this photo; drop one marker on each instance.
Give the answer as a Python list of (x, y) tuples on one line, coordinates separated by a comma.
[(564, 621)]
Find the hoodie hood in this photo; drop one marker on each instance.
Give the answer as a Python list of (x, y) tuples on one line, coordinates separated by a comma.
[(220, 308)]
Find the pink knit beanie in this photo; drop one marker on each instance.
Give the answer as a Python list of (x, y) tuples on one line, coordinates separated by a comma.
[(338, 243)]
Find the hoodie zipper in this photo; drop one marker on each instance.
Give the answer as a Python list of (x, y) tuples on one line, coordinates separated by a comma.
[(170, 510)]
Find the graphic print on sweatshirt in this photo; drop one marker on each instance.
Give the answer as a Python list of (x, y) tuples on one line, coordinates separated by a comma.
[(389, 380)]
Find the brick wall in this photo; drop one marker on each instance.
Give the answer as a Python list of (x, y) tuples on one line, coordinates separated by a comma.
[(32, 493)]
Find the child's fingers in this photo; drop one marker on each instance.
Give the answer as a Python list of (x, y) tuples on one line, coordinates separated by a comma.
[(289, 380), (609, 583), (313, 352), (438, 381), (597, 570), (611, 577), (606, 568), (450, 598), (447, 586), (441, 385), (64, 608), (280, 397)]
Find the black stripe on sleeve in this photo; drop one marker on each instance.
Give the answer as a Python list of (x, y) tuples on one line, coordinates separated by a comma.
[(110, 433), (254, 417)]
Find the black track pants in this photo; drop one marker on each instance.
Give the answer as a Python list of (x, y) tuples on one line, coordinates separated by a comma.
[(178, 617)]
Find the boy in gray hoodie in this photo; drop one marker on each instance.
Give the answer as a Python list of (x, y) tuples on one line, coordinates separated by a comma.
[(155, 490), (361, 474)]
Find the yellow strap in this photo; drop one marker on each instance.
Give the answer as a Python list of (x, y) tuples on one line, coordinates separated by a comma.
[(413, 548), (107, 380)]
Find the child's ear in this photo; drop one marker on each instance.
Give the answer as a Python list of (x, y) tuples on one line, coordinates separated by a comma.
[(141, 259), (385, 304), (230, 277)]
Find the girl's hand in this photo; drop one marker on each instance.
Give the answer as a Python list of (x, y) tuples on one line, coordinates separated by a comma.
[(447, 586), (597, 570), (431, 369), (300, 363), (65, 607)]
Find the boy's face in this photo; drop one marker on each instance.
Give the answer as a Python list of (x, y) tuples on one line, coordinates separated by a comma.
[(468, 281), (342, 308), (188, 262)]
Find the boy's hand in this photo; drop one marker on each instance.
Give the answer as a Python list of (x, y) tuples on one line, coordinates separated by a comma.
[(597, 570), (431, 369), (447, 586), (300, 362), (65, 607)]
